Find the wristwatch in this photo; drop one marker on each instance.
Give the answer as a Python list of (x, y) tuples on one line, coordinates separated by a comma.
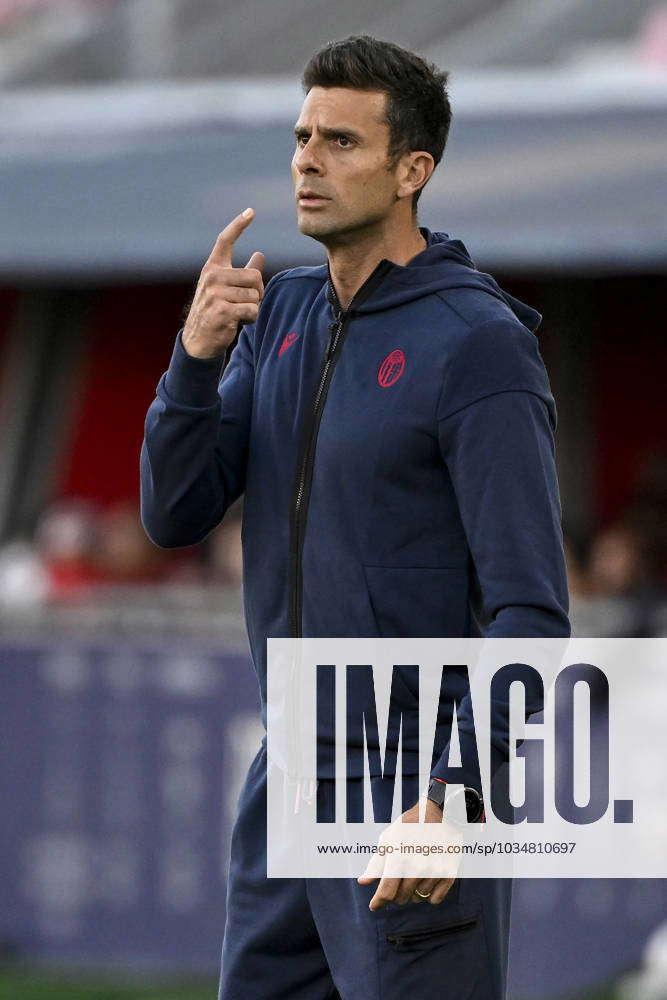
[(473, 800)]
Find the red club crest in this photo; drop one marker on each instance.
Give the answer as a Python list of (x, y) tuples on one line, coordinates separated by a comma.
[(391, 369)]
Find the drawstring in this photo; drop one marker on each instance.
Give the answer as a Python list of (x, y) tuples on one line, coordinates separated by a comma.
[(302, 794)]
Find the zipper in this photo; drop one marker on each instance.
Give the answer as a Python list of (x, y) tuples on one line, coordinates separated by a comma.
[(305, 473), (337, 332), (404, 941)]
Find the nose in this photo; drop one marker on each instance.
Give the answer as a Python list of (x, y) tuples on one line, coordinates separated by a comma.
[(306, 159)]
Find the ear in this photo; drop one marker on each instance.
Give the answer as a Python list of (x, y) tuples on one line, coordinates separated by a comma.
[(414, 170)]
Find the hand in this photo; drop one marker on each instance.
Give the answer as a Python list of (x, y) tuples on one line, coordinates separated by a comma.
[(431, 872), (225, 295)]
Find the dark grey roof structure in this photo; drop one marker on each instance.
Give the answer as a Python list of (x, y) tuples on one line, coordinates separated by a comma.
[(542, 171)]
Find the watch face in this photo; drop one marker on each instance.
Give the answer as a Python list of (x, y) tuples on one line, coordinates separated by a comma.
[(473, 800)]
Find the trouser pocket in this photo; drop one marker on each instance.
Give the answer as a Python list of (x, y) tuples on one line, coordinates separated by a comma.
[(426, 936)]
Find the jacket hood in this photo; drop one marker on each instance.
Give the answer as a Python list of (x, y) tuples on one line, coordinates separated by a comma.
[(444, 264)]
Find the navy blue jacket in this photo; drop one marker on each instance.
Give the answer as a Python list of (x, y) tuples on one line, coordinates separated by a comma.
[(397, 461)]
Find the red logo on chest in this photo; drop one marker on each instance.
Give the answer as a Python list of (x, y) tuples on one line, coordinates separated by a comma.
[(287, 342), (391, 369)]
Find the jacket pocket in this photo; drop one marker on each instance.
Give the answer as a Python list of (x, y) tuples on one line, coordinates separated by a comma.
[(426, 937), (419, 602)]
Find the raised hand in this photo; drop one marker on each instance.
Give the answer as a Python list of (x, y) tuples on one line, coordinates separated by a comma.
[(225, 295)]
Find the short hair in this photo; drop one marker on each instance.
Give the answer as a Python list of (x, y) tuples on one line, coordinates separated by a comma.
[(418, 111)]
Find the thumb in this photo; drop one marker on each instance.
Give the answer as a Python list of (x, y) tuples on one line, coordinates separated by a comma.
[(256, 261)]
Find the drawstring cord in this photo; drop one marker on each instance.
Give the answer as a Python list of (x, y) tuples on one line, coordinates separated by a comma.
[(302, 795)]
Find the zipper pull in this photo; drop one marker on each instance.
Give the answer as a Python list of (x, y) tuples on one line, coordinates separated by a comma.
[(334, 330)]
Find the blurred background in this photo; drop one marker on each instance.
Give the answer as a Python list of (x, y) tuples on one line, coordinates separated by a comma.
[(131, 131)]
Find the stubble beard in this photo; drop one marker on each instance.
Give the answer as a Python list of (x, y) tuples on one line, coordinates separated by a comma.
[(333, 235)]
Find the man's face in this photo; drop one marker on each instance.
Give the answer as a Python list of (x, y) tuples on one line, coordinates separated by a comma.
[(341, 155)]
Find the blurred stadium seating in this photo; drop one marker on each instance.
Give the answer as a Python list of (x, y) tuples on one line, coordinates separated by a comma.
[(129, 131)]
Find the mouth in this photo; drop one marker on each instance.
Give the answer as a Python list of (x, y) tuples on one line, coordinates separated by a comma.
[(309, 199)]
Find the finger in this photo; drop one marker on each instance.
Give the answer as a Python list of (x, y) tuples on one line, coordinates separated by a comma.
[(384, 893), (406, 890), (425, 886), (239, 312), (254, 267), (235, 293), (224, 245), (234, 277), (256, 261), (440, 891)]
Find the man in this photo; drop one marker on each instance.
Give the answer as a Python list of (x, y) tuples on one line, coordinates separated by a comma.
[(389, 420)]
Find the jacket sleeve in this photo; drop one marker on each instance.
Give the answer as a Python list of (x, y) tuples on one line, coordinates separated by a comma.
[(496, 425), (193, 457)]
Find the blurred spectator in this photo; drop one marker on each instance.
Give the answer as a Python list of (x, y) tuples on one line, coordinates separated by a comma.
[(618, 563), (59, 565), (621, 589), (124, 554), (77, 548), (628, 557), (65, 543), (617, 580), (24, 582)]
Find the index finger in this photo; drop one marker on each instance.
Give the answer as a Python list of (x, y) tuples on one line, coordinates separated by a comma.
[(385, 892), (224, 245)]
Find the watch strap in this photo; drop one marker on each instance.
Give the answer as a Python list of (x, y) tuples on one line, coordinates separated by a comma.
[(437, 790)]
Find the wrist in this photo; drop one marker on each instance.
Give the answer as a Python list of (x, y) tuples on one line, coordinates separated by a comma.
[(432, 811), (192, 381), (462, 806), (197, 347)]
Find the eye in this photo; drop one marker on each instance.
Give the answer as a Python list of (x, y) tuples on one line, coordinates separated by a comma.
[(343, 141), (302, 139)]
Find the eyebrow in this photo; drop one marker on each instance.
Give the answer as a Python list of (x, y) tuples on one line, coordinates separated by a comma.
[(328, 133)]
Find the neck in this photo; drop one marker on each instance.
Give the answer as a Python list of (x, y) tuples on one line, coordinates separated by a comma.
[(351, 263)]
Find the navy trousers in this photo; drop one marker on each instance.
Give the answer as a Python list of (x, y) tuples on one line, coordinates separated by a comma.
[(316, 939)]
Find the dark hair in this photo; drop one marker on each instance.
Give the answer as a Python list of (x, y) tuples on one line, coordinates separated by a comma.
[(418, 109)]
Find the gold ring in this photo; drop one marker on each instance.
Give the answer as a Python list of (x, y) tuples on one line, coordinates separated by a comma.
[(424, 895)]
